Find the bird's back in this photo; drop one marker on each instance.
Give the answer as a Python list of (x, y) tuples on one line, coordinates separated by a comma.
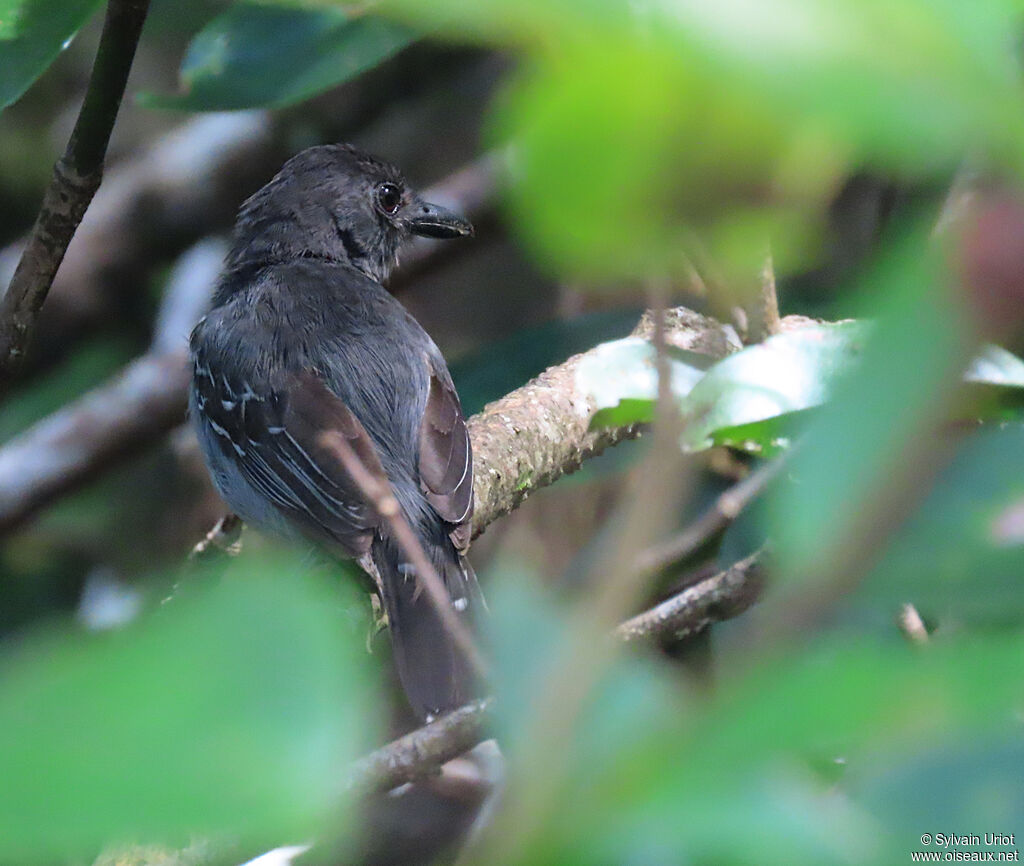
[(327, 317)]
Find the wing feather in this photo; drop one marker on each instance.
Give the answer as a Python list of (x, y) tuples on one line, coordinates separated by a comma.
[(446, 457), (273, 439)]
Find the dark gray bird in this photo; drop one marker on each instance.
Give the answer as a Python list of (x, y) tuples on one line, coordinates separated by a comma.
[(304, 339)]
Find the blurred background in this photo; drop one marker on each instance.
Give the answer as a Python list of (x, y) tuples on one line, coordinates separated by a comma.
[(863, 159)]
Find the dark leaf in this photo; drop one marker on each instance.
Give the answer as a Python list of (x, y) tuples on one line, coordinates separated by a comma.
[(32, 34), (265, 55)]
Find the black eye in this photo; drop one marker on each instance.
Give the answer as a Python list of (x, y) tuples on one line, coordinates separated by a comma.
[(389, 198)]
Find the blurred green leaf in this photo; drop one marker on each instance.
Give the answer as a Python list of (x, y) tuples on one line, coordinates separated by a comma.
[(32, 34), (271, 55), (946, 73), (848, 696), (890, 403), (232, 710), (646, 131), (959, 559), (979, 783), (755, 773), (175, 18), (768, 438)]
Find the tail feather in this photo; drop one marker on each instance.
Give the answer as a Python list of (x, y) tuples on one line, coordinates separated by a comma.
[(436, 675)]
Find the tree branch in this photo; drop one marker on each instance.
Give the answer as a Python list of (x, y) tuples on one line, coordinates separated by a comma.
[(526, 440), (76, 177), (73, 445), (533, 436), (721, 596), (420, 752), (726, 508), (135, 409)]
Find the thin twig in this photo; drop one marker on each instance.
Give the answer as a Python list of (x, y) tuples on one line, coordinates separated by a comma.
[(726, 508), (381, 496), (912, 625), (419, 753), (76, 177), (422, 751), (762, 313), (721, 596)]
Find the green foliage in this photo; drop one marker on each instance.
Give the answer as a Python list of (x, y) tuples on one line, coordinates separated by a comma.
[(229, 711), (621, 379), (969, 784), (770, 437), (265, 54), (643, 131), (32, 34), (959, 559), (756, 399), (888, 405), (750, 775), (786, 373), (648, 139)]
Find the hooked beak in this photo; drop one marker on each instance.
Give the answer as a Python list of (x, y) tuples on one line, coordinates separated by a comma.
[(434, 221)]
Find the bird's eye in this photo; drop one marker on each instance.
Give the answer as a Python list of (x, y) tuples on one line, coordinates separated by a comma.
[(389, 198)]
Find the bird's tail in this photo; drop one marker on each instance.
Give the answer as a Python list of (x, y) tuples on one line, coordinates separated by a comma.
[(436, 675)]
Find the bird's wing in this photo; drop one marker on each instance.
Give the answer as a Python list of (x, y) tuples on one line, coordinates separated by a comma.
[(273, 436), (446, 457)]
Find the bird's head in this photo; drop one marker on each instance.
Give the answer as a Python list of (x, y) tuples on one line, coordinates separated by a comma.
[(335, 202)]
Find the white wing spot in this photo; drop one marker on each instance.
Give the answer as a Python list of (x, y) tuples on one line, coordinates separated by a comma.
[(220, 431)]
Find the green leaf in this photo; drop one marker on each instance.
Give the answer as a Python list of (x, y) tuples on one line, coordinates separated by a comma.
[(768, 438), (646, 129), (265, 55), (32, 34), (754, 399), (995, 366), (231, 710), (620, 378), (849, 696), (786, 373)]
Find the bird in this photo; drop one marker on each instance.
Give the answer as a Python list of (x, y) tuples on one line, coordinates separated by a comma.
[(302, 339)]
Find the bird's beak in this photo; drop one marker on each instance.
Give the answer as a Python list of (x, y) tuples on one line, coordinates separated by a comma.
[(434, 221)]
